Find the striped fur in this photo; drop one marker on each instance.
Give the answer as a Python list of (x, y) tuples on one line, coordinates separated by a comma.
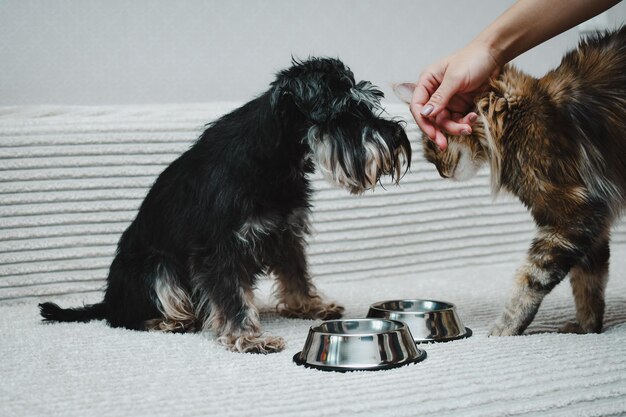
[(559, 144)]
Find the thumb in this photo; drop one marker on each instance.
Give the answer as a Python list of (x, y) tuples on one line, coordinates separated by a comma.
[(440, 98)]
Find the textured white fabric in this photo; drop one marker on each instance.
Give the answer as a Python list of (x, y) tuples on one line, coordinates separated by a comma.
[(93, 370), (71, 180)]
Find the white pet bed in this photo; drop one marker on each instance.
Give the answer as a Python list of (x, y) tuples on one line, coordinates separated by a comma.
[(71, 180)]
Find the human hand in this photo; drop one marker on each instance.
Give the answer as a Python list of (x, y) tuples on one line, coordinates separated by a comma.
[(444, 95)]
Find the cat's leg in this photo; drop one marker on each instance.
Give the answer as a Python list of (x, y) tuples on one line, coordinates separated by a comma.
[(298, 297), (224, 299), (549, 259), (588, 279)]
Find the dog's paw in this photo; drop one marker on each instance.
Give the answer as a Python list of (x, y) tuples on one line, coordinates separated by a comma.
[(329, 311), (316, 310), (252, 343), (169, 326)]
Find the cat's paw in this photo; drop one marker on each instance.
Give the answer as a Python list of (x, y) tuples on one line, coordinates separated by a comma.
[(576, 328), (571, 327), (501, 328)]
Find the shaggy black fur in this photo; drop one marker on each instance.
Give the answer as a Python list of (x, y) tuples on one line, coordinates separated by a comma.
[(236, 205)]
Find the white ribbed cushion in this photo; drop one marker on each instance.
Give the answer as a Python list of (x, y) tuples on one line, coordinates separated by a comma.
[(72, 178)]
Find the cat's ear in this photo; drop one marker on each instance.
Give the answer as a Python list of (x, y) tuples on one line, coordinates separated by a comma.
[(404, 91)]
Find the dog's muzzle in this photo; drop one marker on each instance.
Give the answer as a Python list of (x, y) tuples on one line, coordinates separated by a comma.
[(356, 159)]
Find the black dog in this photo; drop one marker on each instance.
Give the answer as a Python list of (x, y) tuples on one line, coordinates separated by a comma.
[(236, 205)]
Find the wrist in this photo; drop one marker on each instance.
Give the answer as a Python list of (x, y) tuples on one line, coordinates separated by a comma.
[(495, 46)]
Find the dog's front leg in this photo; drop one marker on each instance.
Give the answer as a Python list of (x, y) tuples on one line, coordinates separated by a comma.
[(241, 332), (224, 301), (297, 296)]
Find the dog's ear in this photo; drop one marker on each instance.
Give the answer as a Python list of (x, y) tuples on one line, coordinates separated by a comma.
[(317, 87), (298, 91), (404, 91)]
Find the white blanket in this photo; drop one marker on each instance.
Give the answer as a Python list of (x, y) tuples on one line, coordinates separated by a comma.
[(71, 180)]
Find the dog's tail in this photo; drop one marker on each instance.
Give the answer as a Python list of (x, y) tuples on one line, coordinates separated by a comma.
[(52, 312)]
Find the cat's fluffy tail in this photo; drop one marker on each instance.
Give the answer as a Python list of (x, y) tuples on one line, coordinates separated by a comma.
[(52, 312)]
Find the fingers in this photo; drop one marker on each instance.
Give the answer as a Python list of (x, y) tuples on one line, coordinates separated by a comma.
[(435, 128), (440, 98), (454, 125), (423, 90), (457, 123), (432, 131), (461, 103), (427, 84), (424, 124), (435, 97), (470, 118), (441, 140)]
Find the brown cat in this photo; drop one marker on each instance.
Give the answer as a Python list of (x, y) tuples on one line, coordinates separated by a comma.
[(559, 144)]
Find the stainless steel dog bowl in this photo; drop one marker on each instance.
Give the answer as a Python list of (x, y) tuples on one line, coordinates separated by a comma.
[(359, 345), (429, 320)]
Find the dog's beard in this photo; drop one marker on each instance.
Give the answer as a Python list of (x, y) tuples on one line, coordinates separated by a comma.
[(356, 166)]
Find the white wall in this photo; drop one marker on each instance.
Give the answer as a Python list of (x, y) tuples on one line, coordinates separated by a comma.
[(126, 52)]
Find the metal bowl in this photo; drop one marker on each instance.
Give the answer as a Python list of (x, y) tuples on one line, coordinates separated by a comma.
[(429, 320), (359, 345)]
